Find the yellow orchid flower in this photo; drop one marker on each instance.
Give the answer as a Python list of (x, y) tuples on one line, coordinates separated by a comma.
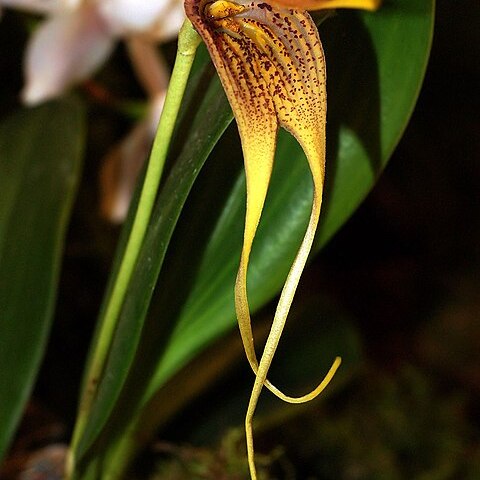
[(271, 63)]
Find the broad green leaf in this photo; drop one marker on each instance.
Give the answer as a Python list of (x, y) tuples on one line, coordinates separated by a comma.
[(376, 63), (40, 164)]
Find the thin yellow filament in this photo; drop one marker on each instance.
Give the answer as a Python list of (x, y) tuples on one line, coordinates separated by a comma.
[(314, 147), (257, 389), (271, 64)]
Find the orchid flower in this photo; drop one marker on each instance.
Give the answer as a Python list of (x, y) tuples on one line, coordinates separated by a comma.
[(271, 64)]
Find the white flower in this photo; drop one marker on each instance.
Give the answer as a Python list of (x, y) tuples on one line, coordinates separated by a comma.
[(78, 36), (74, 40), (123, 163)]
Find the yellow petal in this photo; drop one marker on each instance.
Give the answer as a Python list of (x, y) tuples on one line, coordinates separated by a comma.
[(271, 64), (328, 4)]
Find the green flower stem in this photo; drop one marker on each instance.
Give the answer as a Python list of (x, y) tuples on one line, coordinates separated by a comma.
[(188, 42)]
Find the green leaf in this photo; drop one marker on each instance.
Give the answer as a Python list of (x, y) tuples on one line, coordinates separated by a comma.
[(40, 164), (376, 62)]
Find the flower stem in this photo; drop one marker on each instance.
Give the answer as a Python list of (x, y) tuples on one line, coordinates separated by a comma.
[(188, 42)]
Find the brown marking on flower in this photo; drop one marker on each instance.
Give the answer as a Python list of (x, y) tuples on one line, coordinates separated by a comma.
[(272, 67)]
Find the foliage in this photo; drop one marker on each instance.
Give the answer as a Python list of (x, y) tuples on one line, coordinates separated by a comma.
[(180, 298)]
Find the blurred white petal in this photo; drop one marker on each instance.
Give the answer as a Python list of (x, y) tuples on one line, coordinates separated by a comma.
[(123, 164), (139, 16), (40, 6), (64, 50), (149, 65)]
